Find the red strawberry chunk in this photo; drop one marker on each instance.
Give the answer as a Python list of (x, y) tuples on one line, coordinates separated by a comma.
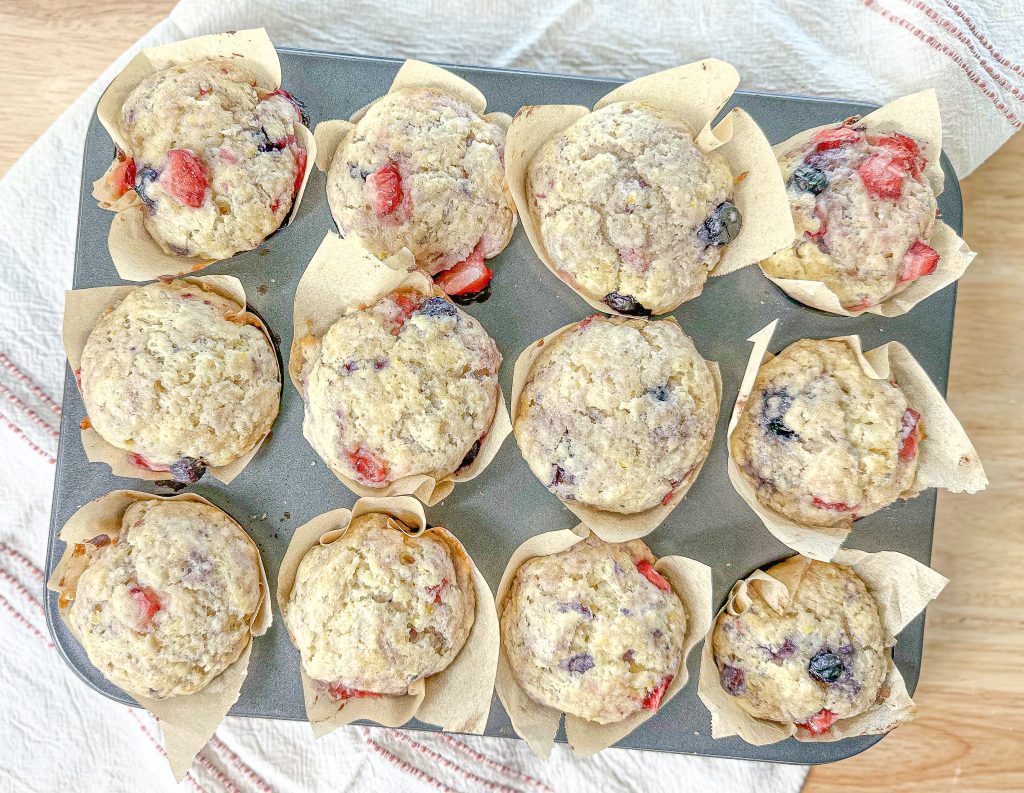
[(368, 466), (141, 462), (908, 434), (338, 691), (835, 137), (653, 700), (407, 303), (437, 589), (146, 605), (819, 213), (647, 570), (290, 98), (835, 506), (122, 178), (820, 723), (883, 175), (300, 170), (385, 186), (920, 259), (185, 177), (466, 277), (903, 148), (668, 497)]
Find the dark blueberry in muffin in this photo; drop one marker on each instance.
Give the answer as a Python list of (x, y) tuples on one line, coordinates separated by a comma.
[(722, 226), (809, 179), (188, 470), (733, 680), (826, 667), (576, 606), (142, 181), (471, 454), (356, 172), (625, 304), (660, 393), (774, 404), (264, 143), (579, 663), (561, 477), (437, 307)]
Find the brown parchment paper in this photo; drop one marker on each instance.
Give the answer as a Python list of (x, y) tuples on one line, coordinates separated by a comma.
[(946, 457), (610, 526), (343, 277), (916, 115), (902, 588), (695, 93), (458, 698), (187, 722), (537, 724), (136, 255), (83, 309)]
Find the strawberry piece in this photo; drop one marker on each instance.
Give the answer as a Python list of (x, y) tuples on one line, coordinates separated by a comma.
[(300, 170), (908, 435), (122, 178), (146, 605), (646, 569), (920, 259), (903, 148), (385, 186), (883, 175), (368, 466), (407, 303), (294, 102), (653, 700), (437, 589), (185, 177), (584, 322), (819, 235), (835, 137), (835, 506), (141, 462), (862, 306), (338, 691), (466, 277), (820, 723)]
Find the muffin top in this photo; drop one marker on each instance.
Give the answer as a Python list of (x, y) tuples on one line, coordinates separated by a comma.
[(823, 658), (630, 211), (376, 610), (168, 606), (617, 413), (181, 377), (406, 386), (820, 441), (423, 170), (594, 631), (863, 211), (217, 163)]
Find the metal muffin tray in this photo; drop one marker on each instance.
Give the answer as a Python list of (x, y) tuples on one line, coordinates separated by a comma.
[(286, 484)]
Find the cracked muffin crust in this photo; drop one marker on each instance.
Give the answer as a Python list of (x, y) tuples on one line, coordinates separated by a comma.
[(180, 377), (617, 413), (214, 158), (594, 631), (406, 386), (169, 605), (423, 170), (821, 659), (820, 441), (863, 211), (630, 211), (376, 610)]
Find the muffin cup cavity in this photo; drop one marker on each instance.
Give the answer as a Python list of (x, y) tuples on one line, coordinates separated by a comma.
[(187, 722), (83, 309), (947, 459), (695, 93), (458, 698), (902, 587), (916, 115), (343, 277), (610, 526), (136, 255)]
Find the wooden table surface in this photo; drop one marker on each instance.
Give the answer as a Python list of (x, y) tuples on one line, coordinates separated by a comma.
[(970, 732)]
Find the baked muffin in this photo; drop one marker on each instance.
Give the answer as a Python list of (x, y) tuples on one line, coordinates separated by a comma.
[(213, 157), (423, 170), (180, 377), (863, 211), (376, 610), (594, 631), (821, 659), (630, 211), (820, 441), (168, 605), (617, 413), (406, 386)]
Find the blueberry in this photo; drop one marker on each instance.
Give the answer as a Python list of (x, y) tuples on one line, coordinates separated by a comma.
[(564, 608), (625, 304), (785, 651), (264, 143), (722, 225), (188, 470), (471, 455), (809, 179), (438, 307), (356, 172), (660, 393), (733, 680), (774, 404), (826, 666), (579, 663), (145, 177), (561, 477)]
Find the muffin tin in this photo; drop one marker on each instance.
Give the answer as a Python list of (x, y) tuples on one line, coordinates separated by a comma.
[(287, 484)]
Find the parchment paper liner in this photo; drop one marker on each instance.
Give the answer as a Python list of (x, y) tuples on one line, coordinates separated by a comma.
[(537, 724), (916, 115), (413, 74), (901, 586), (695, 93), (187, 722), (342, 277), (947, 458), (136, 255), (457, 698), (83, 309), (612, 526)]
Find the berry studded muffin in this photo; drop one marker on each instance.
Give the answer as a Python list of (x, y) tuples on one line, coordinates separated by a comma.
[(630, 211), (423, 170), (820, 658), (181, 378), (376, 610), (168, 605), (617, 413), (594, 631), (863, 211), (820, 441), (213, 157), (408, 385)]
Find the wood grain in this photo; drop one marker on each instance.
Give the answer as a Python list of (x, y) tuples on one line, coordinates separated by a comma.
[(971, 696)]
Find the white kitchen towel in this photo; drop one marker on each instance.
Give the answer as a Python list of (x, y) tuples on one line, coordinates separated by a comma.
[(56, 732)]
